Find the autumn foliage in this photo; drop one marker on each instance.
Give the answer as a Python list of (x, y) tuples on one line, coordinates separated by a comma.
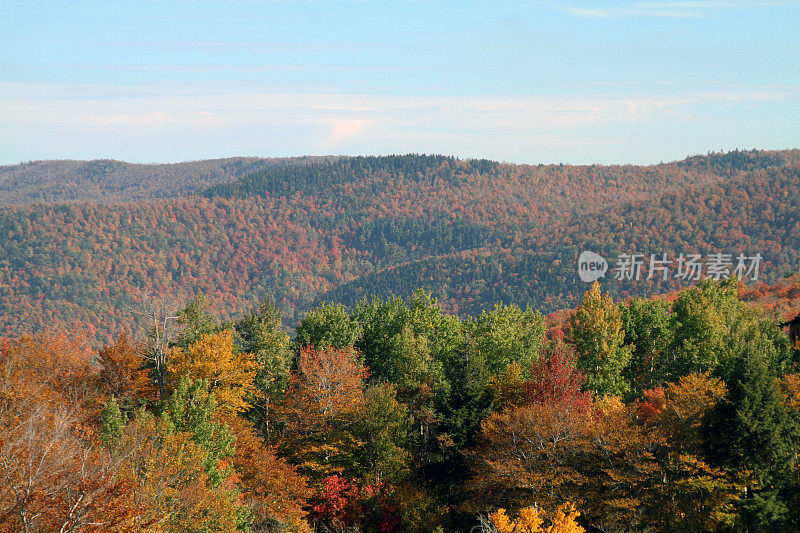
[(532, 520), (320, 409), (408, 419), (229, 374)]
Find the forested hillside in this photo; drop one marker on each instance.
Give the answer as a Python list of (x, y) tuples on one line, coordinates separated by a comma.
[(270, 364), (302, 231), (108, 180), (758, 211)]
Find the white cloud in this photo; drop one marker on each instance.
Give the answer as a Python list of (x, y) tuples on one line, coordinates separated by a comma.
[(152, 123), (669, 9), (345, 128)]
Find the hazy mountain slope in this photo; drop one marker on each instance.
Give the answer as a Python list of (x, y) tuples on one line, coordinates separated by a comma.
[(475, 232), (513, 197), (754, 213), (108, 180)]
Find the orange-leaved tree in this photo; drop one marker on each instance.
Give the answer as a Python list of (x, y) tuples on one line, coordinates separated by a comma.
[(52, 479), (534, 452), (50, 366), (533, 520), (53, 473), (270, 486), (123, 372), (319, 410), (230, 374)]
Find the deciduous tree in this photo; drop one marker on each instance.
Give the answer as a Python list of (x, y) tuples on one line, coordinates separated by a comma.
[(597, 334), (123, 372), (320, 408), (229, 374)]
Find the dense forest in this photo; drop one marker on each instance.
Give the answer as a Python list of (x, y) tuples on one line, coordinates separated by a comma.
[(104, 236), (108, 180), (398, 343), (674, 413)]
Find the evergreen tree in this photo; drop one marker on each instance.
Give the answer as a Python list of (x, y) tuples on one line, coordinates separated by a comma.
[(752, 429), (461, 407)]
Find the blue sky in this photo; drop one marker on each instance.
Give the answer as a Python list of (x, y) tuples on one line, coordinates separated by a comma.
[(533, 82)]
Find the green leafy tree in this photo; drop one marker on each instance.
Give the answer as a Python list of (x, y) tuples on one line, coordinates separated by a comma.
[(507, 334), (195, 321), (445, 333), (260, 333), (409, 363), (329, 325), (597, 334), (703, 319), (420, 318), (381, 321), (112, 422), (648, 331), (192, 409), (383, 428), (408, 345), (710, 324)]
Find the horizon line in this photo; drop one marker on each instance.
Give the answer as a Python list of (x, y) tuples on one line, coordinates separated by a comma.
[(390, 154)]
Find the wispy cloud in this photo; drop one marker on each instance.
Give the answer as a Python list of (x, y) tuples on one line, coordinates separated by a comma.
[(168, 123), (696, 9), (343, 129), (232, 69), (283, 47)]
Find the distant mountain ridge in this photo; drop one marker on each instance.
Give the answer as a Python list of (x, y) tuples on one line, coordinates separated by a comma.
[(758, 212), (109, 180), (306, 230)]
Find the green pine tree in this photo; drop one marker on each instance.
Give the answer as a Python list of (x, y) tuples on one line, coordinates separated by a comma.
[(752, 429), (112, 422)]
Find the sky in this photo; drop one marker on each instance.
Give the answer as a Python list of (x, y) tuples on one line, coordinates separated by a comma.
[(527, 82)]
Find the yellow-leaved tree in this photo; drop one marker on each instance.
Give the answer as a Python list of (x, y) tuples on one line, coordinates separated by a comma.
[(170, 489), (597, 333), (230, 374), (532, 520)]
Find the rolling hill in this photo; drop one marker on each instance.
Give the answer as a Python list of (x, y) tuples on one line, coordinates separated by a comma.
[(305, 230), (108, 180)]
